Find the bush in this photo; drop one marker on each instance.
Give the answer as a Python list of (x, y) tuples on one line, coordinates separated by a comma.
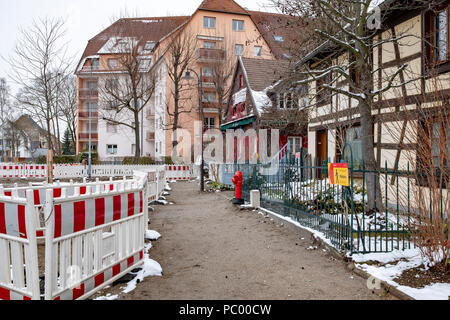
[(85, 155), (65, 159), (168, 160), (141, 160), (41, 160)]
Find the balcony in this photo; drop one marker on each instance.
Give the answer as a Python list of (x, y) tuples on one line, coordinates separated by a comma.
[(85, 135), (150, 136), (86, 93), (150, 114), (88, 69), (85, 114), (210, 55)]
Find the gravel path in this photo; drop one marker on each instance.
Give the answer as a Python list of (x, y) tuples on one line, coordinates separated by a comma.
[(210, 249)]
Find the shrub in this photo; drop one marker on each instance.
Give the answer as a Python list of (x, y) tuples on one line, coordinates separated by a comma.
[(168, 160), (41, 160), (85, 155), (141, 160)]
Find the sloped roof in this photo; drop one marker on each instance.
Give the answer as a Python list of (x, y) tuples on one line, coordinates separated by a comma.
[(274, 24), (262, 73), (144, 29), (229, 6)]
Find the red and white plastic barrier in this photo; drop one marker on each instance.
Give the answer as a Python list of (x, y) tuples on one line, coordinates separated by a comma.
[(178, 172), (94, 234), (19, 274)]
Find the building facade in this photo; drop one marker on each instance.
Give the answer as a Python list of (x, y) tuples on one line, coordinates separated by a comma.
[(220, 31)]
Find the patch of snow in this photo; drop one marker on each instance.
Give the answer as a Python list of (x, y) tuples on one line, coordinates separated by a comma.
[(149, 268), (406, 259), (262, 101), (108, 297), (152, 235)]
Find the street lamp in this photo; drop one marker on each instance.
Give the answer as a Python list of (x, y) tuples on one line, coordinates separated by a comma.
[(200, 91)]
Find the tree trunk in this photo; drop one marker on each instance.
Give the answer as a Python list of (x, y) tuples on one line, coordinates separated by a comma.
[(137, 136)]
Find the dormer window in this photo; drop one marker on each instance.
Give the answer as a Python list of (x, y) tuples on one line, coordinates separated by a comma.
[(149, 45), (278, 38)]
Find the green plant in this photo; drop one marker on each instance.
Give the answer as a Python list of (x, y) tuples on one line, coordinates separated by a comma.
[(41, 160), (168, 160), (85, 155), (141, 160)]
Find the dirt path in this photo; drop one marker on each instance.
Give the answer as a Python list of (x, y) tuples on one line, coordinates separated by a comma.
[(210, 249)]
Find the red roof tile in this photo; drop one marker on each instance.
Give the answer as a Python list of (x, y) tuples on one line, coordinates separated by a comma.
[(144, 29), (222, 6), (280, 25)]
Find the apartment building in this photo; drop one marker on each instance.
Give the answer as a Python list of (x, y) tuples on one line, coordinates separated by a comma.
[(221, 31)]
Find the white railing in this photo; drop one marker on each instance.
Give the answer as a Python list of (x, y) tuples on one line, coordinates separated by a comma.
[(94, 234)]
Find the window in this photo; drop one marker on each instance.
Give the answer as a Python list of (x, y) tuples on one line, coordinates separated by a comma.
[(92, 106), (209, 45), (209, 97), (278, 38), (286, 100), (437, 35), (210, 123), (258, 51), (92, 85), (94, 64), (209, 22), (438, 133), (111, 149), (207, 72), (295, 144), (238, 25), (149, 45), (322, 95), (241, 81), (113, 63), (239, 49), (433, 153), (133, 148)]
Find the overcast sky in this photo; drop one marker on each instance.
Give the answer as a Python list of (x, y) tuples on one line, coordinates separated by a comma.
[(85, 18)]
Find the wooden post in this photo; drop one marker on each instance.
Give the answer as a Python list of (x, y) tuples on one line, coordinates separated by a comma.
[(50, 166)]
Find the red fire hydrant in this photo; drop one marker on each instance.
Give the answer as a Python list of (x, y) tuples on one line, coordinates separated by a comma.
[(237, 181)]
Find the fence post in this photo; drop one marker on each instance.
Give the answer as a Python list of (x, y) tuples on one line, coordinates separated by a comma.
[(49, 233), (31, 254)]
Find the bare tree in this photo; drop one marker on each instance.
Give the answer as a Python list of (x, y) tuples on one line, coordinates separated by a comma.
[(221, 74), (180, 55), (126, 94), (68, 105), (348, 29), (14, 137), (4, 108), (39, 64)]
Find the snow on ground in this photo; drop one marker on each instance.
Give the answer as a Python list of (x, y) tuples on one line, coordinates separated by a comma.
[(152, 235), (108, 297), (394, 263), (406, 259), (149, 268)]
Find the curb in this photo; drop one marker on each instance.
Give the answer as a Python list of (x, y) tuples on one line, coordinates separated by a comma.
[(387, 288)]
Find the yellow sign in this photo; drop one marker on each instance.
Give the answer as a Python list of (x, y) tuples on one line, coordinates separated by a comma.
[(338, 174)]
